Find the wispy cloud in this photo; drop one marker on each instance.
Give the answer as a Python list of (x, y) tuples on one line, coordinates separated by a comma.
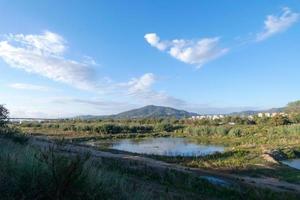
[(44, 55), (98, 105), (141, 84), (138, 91), (277, 24), (141, 88), (196, 52), (26, 86)]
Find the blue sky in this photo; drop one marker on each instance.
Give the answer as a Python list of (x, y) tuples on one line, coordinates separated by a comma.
[(66, 58)]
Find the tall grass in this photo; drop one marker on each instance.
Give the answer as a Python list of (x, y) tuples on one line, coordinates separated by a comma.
[(28, 173)]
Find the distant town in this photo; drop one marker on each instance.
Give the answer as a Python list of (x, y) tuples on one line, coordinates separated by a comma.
[(260, 115)]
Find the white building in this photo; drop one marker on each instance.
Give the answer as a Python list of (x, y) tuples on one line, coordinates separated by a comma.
[(260, 114)]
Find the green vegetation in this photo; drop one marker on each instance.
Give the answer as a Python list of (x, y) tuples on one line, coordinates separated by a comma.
[(245, 144), (30, 173), (250, 146), (100, 128), (267, 137), (3, 116)]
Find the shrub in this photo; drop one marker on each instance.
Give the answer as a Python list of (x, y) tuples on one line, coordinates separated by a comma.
[(222, 130), (236, 132)]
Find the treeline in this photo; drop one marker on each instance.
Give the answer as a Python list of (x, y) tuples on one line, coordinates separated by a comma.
[(229, 125), (241, 130), (106, 128)]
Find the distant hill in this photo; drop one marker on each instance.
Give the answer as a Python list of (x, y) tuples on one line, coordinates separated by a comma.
[(150, 111), (255, 112)]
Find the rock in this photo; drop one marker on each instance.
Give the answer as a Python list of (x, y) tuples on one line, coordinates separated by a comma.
[(269, 158), (274, 155), (278, 154)]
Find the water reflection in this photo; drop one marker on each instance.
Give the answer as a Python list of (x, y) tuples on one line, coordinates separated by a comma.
[(164, 146), (294, 163)]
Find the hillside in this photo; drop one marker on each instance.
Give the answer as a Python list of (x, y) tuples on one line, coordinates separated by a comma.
[(152, 111)]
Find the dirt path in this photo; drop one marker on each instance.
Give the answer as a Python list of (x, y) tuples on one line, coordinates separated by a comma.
[(213, 176)]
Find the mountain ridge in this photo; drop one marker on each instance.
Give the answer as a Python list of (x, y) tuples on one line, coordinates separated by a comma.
[(149, 111)]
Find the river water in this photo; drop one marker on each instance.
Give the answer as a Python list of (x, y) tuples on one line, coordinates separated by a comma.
[(295, 163), (162, 146)]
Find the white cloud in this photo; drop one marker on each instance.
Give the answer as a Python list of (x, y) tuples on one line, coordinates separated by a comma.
[(141, 90), (197, 52), (141, 84), (48, 42), (26, 86), (43, 55), (154, 41), (276, 24)]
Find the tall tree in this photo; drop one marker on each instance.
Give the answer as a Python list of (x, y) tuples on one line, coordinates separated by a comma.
[(3, 116)]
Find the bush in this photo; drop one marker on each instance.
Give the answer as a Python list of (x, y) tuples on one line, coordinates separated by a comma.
[(165, 127), (279, 120), (236, 132), (222, 130), (200, 130)]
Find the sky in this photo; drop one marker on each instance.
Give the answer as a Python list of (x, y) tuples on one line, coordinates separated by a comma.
[(69, 58)]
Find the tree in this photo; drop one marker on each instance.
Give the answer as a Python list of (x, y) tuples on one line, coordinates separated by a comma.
[(3, 116)]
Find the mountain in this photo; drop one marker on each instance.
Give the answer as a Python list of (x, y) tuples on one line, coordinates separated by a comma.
[(149, 111), (152, 111)]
